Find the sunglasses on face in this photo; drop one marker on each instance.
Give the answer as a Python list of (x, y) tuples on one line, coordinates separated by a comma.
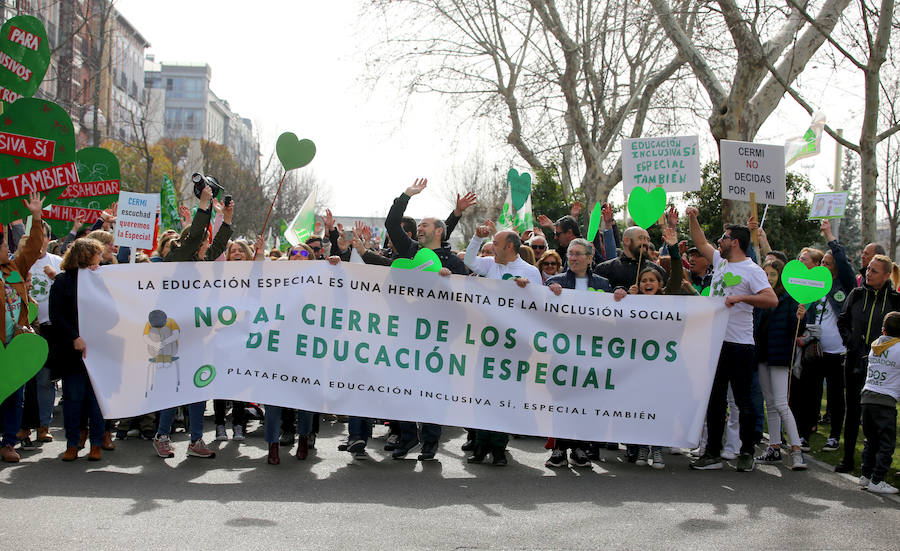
[(554, 263), (316, 249), (302, 252), (725, 236), (542, 247)]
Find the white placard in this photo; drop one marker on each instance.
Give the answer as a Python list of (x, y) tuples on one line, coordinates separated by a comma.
[(747, 167), (136, 220), (828, 205), (401, 344), (672, 163)]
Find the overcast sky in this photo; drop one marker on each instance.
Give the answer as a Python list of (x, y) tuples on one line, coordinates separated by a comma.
[(297, 66)]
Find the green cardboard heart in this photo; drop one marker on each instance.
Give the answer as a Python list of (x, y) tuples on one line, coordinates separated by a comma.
[(507, 276), (705, 292), (803, 284), (23, 41), (32, 312), (519, 187), (594, 226), (14, 277), (596, 290), (646, 208), (44, 120), (730, 279), (425, 261), (294, 153), (21, 359), (99, 177)]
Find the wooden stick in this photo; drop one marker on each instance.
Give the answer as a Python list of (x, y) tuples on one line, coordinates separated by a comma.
[(753, 212), (638, 278), (272, 206)]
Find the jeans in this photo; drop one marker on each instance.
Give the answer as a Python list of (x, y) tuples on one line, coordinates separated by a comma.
[(195, 412), (880, 429), (46, 396), (78, 396), (273, 423), (11, 412), (736, 365), (359, 428), (409, 431), (774, 382), (854, 380)]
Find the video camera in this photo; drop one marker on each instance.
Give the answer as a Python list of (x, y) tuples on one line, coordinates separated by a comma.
[(200, 181)]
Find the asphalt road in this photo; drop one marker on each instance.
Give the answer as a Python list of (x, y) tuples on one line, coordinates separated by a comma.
[(134, 500)]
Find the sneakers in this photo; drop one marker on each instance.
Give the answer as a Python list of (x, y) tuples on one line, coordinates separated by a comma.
[(404, 448), (356, 446), (221, 435), (728, 455), (744, 463), (121, 434), (134, 432), (238, 435), (707, 462), (798, 462), (770, 457), (342, 446), (467, 447), (360, 455), (863, 482), (286, 438), (697, 452), (478, 455), (43, 434), (163, 446), (303, 448), (429, 450), (107, 443), (499, 455), (804, 445), (557, 459), (26, 444), (843, 467), (8, 454), (578, 458), (71, 454), (274, 455), (881, 488), (147, 434), (95, 453), (642, 456), (831, 445), (657, 459), (392, 441), (199, 449)]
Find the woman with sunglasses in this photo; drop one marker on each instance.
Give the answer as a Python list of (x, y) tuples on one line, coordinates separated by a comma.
[(549, 264), (273, 413)]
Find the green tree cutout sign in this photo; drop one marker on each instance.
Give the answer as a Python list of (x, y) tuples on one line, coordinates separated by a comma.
[(98, 188), (516, 212), (24, 58)]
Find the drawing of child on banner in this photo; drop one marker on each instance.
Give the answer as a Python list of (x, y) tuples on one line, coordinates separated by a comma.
[(161, 335)]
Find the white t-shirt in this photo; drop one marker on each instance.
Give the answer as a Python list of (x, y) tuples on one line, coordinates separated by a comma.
[(744, 278), (40, 285), (883, 374), (487, 267), (831, 338)]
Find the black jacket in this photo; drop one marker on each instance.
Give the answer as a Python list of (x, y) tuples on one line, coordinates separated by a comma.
[(623, 271), (774, 330), (64, 359), (566, 280), (860, 321), (185, 249), (405, 247)]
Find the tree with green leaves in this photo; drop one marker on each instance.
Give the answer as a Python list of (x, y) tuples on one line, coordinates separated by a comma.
[(787, 227)]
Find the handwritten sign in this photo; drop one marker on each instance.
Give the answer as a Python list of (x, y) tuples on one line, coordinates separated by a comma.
[(669, 162)]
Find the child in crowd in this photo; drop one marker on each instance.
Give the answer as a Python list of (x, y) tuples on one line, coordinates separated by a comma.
[(879, 407)]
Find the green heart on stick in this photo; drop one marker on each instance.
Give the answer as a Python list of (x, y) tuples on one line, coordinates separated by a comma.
[(425, 261), (596, 290), (519, 187), (13, 277), (731, 280), (594, 225), (42, 119), (803, 284), (705, 292), (646, 208), (21, 359), (23, 40), (294, 153)]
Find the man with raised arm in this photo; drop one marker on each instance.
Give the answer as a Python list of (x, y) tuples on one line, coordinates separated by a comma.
[(744, 286)]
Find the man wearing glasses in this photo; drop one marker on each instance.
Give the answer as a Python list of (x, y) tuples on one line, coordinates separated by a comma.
[(744, 286)]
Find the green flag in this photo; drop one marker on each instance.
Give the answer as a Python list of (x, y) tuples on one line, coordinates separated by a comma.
[(806, 145), (170, 220), (304, 222)]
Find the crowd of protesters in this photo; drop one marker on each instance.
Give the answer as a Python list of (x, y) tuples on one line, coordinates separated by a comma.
[(776, 357)]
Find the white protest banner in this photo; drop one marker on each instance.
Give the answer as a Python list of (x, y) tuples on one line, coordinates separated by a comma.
[(752, 167), (669, 162), (828, 205), (401, 344), (136, 220)]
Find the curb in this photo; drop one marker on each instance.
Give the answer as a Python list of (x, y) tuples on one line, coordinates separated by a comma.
[(846, 476)]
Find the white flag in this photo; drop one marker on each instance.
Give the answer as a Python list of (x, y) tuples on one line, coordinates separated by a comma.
[(807, 145), (304, 222)]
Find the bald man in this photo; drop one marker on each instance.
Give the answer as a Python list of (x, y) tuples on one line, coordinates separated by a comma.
[(622, 271)]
